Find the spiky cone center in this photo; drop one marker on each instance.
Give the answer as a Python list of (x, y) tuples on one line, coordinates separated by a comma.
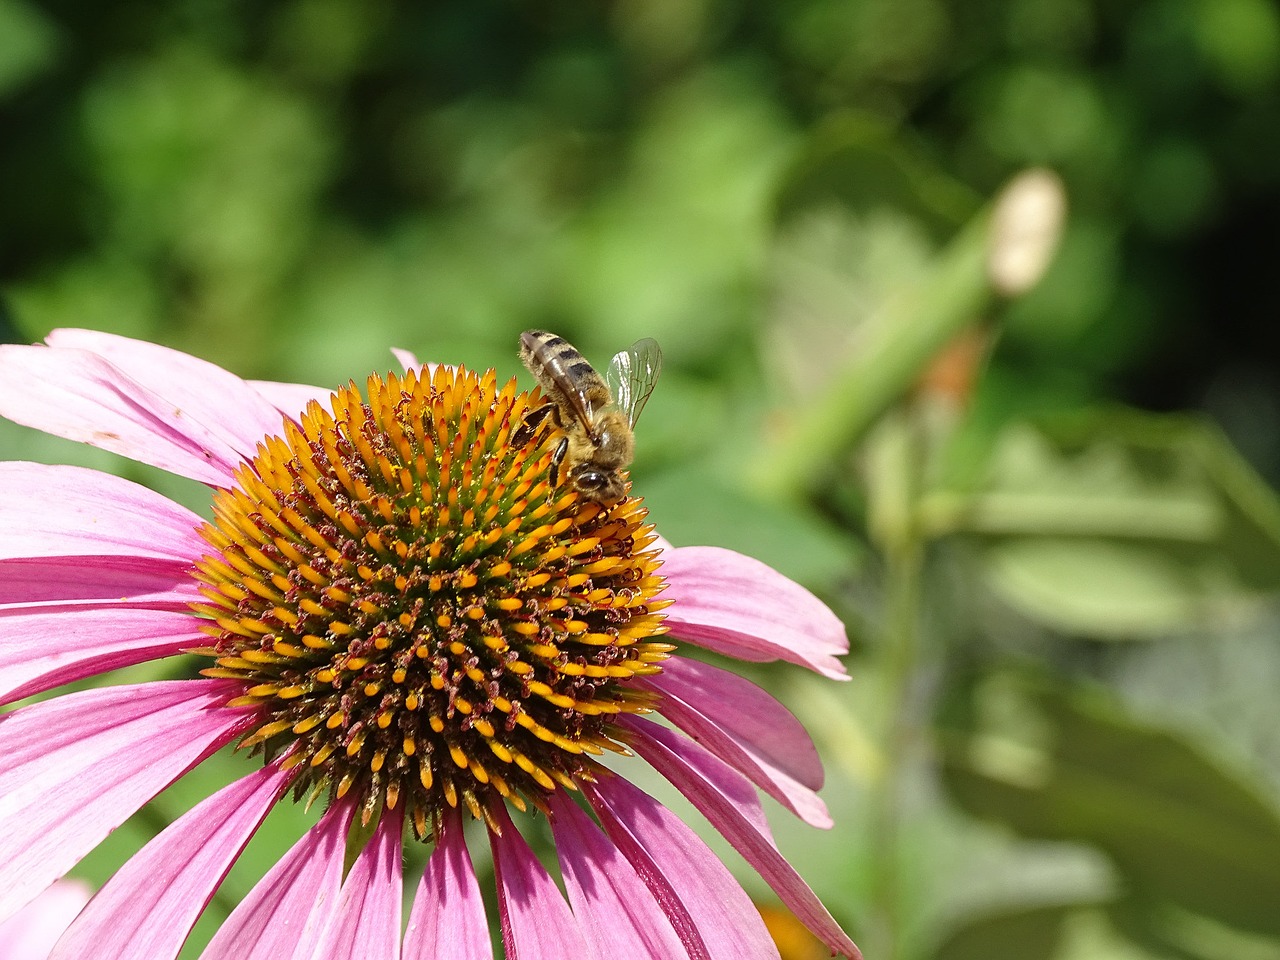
[(416, 613)]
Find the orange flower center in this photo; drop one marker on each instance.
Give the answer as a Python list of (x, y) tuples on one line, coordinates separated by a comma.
[(417, 613)]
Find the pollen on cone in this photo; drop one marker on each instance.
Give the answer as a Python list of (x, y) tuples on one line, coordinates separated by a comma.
[(417, 612)]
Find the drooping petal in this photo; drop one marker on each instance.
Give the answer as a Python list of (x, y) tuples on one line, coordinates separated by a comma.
[(743, 608), (288, 911), (31, 932), (448, 918), (118, 581), (749, 713), (84, 397), (617, 913), (536, 922), (291, 398), (711, 913), (148, 907), (747, 729), (425, 371), (43, 646), (366, 925), (61, 511), (74, 768), (199, 390), (408, 359), (728, 801)]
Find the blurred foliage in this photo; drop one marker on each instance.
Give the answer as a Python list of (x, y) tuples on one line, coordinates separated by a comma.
[(795, 199)]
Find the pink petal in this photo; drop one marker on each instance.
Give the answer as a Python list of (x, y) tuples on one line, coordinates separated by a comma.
[(742, 608), (148, 907), (45, 646), (121, 581), (448, 911), (712, 914), (291, 398), (61, 511), (747, 729), (31, 932), (747, 711), (83, 397), (408, 359), (74, 768), (618, 915), (197, 389), (288, 911), (366, 925), (536, 922), (727, 799), (425, 371)]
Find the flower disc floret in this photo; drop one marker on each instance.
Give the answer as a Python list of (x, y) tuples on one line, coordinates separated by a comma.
[(417, 613)]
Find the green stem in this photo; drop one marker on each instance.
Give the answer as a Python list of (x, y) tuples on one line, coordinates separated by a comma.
[(900, 655), (896, 456), (911, 331), (1189, 519)]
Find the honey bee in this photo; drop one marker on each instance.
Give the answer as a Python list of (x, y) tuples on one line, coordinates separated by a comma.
[(596, 413)]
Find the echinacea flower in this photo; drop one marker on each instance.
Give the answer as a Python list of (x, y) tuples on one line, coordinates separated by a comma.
[(31, 932), (405, 618)]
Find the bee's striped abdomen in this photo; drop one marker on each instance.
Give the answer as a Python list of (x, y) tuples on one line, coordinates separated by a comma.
[(564, 374)]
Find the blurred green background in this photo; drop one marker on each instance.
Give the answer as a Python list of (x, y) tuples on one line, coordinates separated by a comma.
[(1058, 553)]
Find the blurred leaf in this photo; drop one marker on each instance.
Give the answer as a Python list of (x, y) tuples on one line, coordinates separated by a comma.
[(327, 40), (1097, 587), (1083, 930), (1120, 524), (1052, 115), (672, 248), (1068, 308), (894, 349), (28, 43), (1175, 188), (1095, 935), (1012, 935), (693, 505), (832, 273), (1063, 764), (1169, 931), (1241, 41), (860, 162), (103, 293)]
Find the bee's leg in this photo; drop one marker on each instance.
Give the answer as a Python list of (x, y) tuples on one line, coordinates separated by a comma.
[(557, 460), (530, 423)]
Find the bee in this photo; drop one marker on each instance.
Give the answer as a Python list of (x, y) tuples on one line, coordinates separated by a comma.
[(596, 413)]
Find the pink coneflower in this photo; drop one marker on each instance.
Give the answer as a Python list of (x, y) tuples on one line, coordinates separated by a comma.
[(31, 932), (408, 622)]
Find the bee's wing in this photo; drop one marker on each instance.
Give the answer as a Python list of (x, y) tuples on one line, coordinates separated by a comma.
[(632, 374)]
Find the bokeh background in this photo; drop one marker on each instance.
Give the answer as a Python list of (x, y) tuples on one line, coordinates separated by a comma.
[(1048, 516)]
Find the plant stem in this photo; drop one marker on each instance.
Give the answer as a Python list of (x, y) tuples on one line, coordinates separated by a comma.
[(911, 331), (899, 740), (896, 463)]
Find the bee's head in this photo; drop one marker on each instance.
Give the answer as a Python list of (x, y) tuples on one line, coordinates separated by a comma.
[(596, 483)]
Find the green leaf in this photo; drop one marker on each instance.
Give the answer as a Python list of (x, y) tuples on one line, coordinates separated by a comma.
[(1100, 587), (1119, 525), (28, 44), (1009, 935), (1065, 764), (858, 161), (1168, 931), (695, 505)]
